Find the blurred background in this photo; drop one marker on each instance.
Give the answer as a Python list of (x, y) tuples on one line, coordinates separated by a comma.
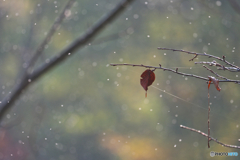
[(85, 109)]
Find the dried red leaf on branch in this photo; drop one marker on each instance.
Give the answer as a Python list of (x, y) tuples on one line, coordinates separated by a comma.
[(215, 82), (147, 78)]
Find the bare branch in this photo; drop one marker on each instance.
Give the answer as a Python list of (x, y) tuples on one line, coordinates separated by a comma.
[(209, 109), (213, 63), (201, 54), (63, 55), (231, 69), (210, 79), (211, 138), (52, 30), (193, 57), (219, 66), (165, 69), (215, 73), (174, 71)]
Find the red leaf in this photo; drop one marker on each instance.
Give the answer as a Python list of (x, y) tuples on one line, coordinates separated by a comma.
[(215, 82), (209, 83), (147, 78)]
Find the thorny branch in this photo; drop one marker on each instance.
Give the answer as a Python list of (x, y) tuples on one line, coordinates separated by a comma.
[(210, 138), (29, 78)]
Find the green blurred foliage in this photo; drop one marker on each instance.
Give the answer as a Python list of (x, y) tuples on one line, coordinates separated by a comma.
[(85, 109)]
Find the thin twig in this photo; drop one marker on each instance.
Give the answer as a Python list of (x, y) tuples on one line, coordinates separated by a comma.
[(193, 57), (52, 30), (219, 66), (63, 55), (231, 69), (160, 67), (201, 54), (213, 63), (215, 73), (211, 138), (208, 118), (174, 71)]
